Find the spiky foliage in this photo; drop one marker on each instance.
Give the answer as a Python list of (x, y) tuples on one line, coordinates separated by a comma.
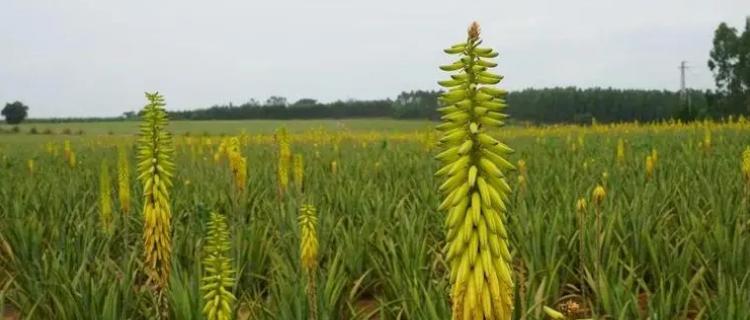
[(105, 199), (218, 278), (155, 169), (123, 179), (284, 161), (308, 223), (237, 164), (474, 189), (299, 172)]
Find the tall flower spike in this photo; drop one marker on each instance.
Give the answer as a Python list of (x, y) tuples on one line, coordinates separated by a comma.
[(746, 165), (237, 164), (308, 223), (218, 278), (285, 158), (30, 164), (649, 167), (155, 170), (474, 190), (123, 179), (598, 195), (299, 172), (105, 199)]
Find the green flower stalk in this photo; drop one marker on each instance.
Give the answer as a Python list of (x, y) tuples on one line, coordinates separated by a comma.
[(745, 165), (155, 168), (218, 278), (474, 187), (105, 199), (123, 179)]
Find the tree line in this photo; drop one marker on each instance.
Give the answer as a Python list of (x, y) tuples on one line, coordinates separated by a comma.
[(549, 105)]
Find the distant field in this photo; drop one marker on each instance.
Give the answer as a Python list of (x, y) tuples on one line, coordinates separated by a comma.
[(231, 127)]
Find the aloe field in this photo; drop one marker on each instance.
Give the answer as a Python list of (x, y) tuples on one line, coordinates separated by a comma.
[(669, 238)]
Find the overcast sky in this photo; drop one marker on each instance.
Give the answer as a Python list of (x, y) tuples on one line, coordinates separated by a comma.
[(96, 58)]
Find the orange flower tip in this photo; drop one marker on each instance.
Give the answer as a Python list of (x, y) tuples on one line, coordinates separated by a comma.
[(474, 30)]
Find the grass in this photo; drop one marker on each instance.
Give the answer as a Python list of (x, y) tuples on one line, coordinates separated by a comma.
[(674, 247)]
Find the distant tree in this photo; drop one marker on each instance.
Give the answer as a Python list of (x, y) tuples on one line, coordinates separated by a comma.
[(416, 104), (305, 102), (730, 63), (15, 112), (276, 101), (129, 115), (251, 102)]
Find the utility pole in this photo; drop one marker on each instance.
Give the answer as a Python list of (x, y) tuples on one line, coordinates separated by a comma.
[(684, 97)]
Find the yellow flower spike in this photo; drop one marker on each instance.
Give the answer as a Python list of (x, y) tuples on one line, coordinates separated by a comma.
[(30, 165), (598, 195), (218, 278), (474, 189), (620, 152), (308, 223), (237, 164), (299, 172), (155, 171), (707, 139), (581, 205), (285, 155), (308, 249), (649, 167), (334, 167), (72, 160), (105, 199), (746, 165), (123, 180), (522, 167), (70, 155), (66, 148)]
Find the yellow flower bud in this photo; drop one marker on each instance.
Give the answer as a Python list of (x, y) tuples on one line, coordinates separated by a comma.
[(599, 194)]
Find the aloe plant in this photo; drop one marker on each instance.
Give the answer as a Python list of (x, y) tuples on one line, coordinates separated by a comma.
[(474, 189)]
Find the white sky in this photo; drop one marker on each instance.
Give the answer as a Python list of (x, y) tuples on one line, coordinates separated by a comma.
[(96, 58)]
